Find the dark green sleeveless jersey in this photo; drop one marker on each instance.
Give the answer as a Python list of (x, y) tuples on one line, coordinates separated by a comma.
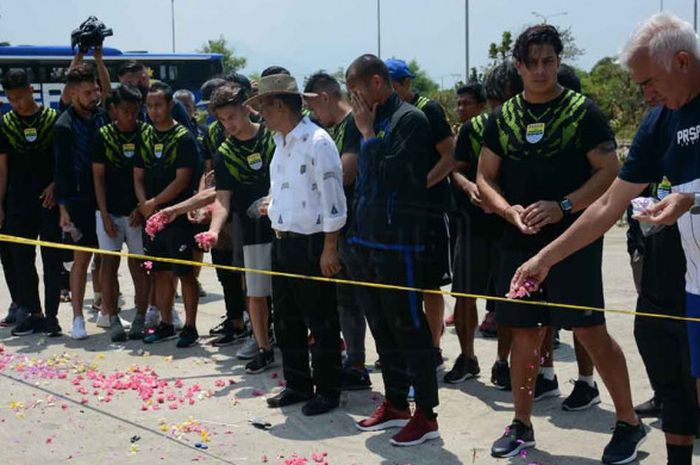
[(162, 155), (117, 151), (27, 142), (544, 150)]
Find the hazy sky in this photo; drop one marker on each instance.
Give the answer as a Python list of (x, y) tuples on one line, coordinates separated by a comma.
[(306, 35)]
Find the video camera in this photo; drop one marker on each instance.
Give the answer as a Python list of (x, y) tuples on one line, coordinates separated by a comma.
[(90, 34)]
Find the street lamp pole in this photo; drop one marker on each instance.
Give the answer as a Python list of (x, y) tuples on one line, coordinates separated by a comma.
[(172, 19), (466, 40), (379, 30), (544, 18)]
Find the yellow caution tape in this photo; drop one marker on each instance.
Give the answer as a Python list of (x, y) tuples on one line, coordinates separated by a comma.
[(35, 242)]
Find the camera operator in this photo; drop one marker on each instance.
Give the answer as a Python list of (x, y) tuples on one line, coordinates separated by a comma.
[(102, 73)]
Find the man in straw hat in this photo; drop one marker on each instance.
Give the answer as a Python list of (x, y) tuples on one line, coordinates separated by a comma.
[(306, 209)]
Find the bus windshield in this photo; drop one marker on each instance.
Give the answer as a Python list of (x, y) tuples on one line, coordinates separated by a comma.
[(47, 68)]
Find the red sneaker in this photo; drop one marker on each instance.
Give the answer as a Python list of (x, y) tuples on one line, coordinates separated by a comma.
[(450, 320), (417, 431), (384, 417)]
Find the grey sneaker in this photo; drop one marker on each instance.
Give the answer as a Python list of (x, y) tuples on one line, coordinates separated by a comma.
[(249, 350), (116, 330), (138, 326)]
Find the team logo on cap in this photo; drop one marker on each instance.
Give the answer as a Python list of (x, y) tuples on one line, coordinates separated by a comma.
[(534, 132), (158, 149), (254, 161), (128, 150), (30, 134)]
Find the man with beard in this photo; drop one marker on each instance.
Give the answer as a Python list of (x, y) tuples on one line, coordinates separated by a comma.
[(74, 135)]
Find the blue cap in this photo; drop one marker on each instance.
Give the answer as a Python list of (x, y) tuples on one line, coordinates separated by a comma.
[(398, 69)]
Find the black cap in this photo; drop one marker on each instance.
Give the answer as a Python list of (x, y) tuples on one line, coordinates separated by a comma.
[(239, 79), (208, 88)]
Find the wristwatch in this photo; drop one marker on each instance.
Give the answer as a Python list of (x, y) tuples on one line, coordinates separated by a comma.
[(566, 207), (695, 209)]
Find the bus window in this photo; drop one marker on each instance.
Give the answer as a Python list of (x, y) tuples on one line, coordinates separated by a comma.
[(57, 73)]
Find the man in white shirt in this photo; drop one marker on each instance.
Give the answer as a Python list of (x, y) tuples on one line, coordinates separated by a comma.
[(307, 209)]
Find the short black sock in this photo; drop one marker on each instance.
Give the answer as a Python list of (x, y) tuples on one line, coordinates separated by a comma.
[(679, 455)]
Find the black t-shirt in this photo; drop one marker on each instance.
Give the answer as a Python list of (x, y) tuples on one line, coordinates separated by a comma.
[(162, 155), (440, 194), (213, 138), (243, 167), (543, 150), (117, 151), (73, 141), (468, 149), (27, 142)]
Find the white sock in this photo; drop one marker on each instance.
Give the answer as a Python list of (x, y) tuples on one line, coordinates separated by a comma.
[(547, 372), (587, 379)]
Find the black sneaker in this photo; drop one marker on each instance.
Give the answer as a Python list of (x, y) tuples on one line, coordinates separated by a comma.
[(234, 336), (226, 326), (500, 375), (546, 388), (162, 333), (261, 362), (287, 397), (52, 328), (188, 337), (354, 379), (517, 437), (582, 397), (463, 369), (319, 404), (116, 330), (624, 444), (439, 361), (649, 409), (11, 317), (32, 324)]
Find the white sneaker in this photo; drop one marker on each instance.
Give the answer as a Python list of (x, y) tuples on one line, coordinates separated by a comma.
[(103, 321), (177, 322), (78, 330), (152, 317)]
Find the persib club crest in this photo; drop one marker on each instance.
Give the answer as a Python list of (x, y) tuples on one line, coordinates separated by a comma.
[(254, 161), (158, 149), (30, 134), (128, 150), (534, 132)]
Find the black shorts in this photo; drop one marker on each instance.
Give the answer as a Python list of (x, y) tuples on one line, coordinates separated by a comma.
[(435, 262), (82, 215), (175, 241), (475, 265), (663, 345), (577, 280)]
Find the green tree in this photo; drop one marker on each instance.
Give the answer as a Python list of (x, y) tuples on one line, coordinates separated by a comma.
[(501, 51), (610, 86), (571, 52), (422, 84), (232, 62)]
